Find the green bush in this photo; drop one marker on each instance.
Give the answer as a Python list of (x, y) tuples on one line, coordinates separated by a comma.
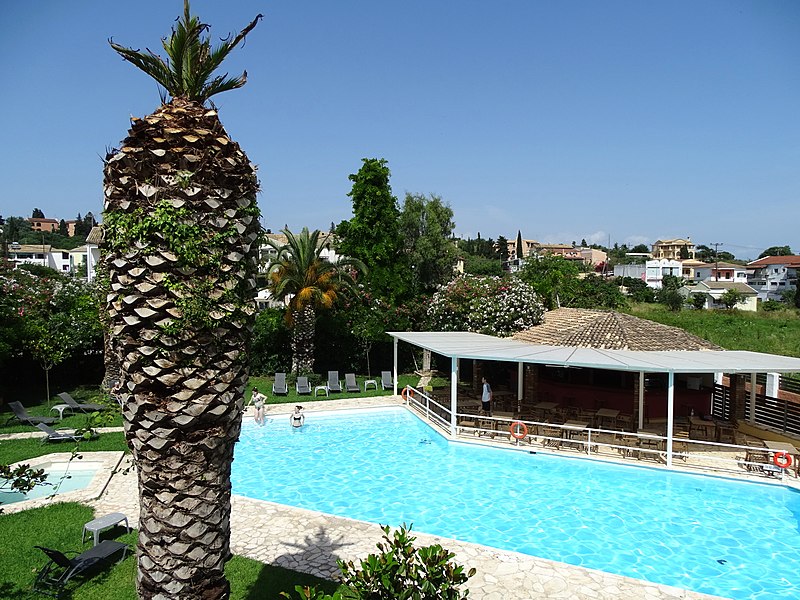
[(399, 572), (772, 305)]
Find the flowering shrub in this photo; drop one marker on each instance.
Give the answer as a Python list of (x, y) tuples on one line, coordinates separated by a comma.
[(489, 305), (49, 316)]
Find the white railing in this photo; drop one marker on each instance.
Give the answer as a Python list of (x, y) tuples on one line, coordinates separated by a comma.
[(428, 406), (590, 440)]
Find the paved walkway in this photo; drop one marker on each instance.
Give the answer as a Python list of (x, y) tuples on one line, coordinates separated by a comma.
[(311, 542)]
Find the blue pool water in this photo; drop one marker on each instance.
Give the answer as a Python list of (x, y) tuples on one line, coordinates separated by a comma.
[(729, 538), (60, 479)]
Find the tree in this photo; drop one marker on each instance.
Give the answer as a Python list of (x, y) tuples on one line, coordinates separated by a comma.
[(699, 299), (592, 291), (669, 295), (49, 316), (684, 252), (372, 235), (638, 290), (181, 226), (502, 248), (704, 253), (426, 228), (309, 283), (520, 250), (731, 297), (548, 276), (776, 251), (37, 214), (479, 265), (62, 228), (82, 228)]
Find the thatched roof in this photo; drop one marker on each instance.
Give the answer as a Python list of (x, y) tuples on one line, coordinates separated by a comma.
[(609, 330)]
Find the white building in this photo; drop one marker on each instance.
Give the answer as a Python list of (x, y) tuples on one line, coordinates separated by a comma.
[(720, 272), (39, 254), (715, 289), (772, 275)]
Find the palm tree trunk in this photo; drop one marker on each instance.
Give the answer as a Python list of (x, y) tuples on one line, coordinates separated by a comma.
[(303, 340)]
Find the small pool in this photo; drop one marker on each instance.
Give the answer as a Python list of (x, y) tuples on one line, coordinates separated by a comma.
[(61, 478), (713, 535)]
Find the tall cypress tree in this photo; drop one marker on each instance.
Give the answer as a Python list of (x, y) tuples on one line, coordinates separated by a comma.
[(372, 235)]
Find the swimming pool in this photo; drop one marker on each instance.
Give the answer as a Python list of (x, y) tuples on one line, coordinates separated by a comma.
[(61, 478), (718, 536)]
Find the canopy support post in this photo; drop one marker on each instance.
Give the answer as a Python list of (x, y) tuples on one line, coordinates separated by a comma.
[(670, 415), (453, 395)]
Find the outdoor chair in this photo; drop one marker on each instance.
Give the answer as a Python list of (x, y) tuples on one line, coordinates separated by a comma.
[(279, 386), (56, 436), (83, 407), (302, 386), (57, 573), (387, 383), (334, 385), (22, 415), (350, 383)]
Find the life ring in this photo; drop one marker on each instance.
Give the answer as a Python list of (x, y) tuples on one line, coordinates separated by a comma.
[(782, 460), (518, 430), (407, 393)]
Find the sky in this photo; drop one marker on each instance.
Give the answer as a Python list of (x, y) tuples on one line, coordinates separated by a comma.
[(611, 121)]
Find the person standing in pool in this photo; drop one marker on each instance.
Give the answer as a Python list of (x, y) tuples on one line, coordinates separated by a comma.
[(486, 396), (297, 418), (259, 400)]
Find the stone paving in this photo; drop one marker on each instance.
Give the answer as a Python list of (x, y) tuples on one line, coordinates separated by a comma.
[(311, 542)]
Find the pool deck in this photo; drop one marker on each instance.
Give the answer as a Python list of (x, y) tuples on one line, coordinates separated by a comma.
[(311, 542)]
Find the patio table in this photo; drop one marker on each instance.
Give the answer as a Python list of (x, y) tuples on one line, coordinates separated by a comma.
[(606, 414), (573, 432), (704, 424), (61, 408)]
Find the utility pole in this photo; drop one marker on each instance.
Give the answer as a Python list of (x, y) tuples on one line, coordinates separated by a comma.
[(716, 258)]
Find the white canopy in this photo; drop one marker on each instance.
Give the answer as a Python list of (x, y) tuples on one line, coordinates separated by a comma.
[(460, 344)]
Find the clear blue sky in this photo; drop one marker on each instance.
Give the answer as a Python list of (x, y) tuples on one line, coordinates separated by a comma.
[(621, 120)]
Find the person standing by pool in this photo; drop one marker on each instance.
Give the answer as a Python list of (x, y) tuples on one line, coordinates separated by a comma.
[(297, 418), (259, 400), (486, 396)]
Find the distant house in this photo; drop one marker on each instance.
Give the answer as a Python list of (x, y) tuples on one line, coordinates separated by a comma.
[(715, 289), (772, 275), (688, 267), (671, 249), (93, 251), (38, 224), (720, 272), (589, 256), (652, 272), (39, 254)]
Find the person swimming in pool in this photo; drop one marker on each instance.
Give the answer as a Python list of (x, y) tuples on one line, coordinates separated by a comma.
[(297, 418)]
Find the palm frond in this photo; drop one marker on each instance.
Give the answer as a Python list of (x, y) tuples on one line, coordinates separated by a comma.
[(191, 60)]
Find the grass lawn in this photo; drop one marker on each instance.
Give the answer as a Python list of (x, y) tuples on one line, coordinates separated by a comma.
[(59, 526), (264, 384), (771, 332), (12, 451), (89, 394)]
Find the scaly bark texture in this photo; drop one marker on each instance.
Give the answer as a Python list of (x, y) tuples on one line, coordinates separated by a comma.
[(303, 340), (181, 228)]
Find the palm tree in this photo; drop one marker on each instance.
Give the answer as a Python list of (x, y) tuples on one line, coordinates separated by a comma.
[(180, 232), (309, 283)]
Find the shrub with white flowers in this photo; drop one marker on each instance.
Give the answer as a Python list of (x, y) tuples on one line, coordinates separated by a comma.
[(490, 305)]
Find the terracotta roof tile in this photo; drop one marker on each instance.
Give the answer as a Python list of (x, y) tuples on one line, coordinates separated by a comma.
[(610, 330)]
